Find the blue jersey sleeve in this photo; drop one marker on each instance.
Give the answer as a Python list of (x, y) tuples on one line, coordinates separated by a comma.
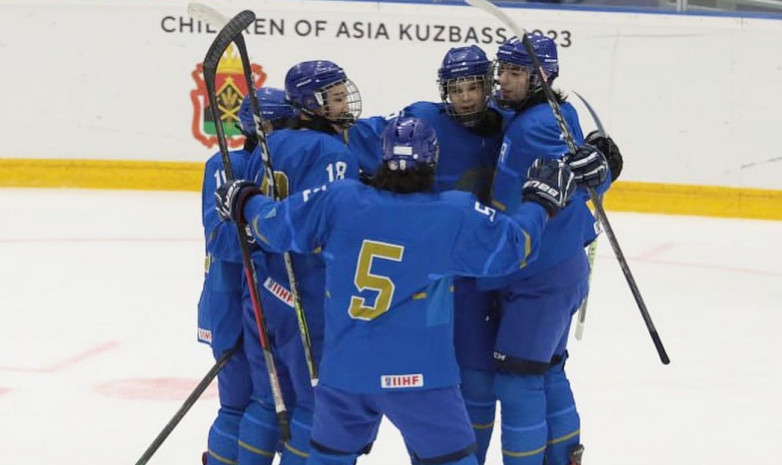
[(493, 244), (295, 224), (221, 237), (363, 139), (422, 110)]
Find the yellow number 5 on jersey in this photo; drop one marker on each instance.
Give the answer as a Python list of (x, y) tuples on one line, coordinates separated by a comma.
[(365, 280)]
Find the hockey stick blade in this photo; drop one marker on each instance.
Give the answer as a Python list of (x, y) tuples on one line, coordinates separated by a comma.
[(582, 309), (600, 128), (208, 15), (224, 38)]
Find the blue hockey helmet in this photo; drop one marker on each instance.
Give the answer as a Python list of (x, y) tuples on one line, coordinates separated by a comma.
[(409, 142), (307, 86), (273, 105), (464, 62), (513, 53), (465, 66)]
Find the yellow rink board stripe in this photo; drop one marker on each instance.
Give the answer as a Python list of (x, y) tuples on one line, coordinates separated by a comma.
[(101, 174), (678, 199), (624, 196)]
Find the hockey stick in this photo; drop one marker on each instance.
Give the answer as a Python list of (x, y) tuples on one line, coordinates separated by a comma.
[(187, 404), (600, 128), (214, 18), (582, 310), (592, 248), (232, 32), (493, 10)]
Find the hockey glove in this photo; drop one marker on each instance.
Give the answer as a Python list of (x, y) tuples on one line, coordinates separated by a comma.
[(549, 183), (589, 166), (231, 197), (609, 149)]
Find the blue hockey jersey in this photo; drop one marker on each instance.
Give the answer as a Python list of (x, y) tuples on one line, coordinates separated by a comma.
[(302, 158), (363, 139), (531, 134), (467, 159), (388, 304), (220, 304)]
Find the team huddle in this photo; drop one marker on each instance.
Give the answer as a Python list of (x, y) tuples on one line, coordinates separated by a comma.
[(438, 256)]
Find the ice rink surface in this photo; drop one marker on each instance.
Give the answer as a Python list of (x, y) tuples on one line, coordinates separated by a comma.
[(98, 293)]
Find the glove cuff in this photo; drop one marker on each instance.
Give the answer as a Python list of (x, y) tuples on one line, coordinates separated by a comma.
[(551, 209), (242, 197)]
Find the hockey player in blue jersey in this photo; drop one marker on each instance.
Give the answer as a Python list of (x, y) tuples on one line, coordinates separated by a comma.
[(220, 305), (470, 131), (308, 153), (390, 251), (540, 423)]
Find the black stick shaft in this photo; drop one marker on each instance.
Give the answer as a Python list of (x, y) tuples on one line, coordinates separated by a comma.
[(301, 316), (598, 203), (186, 405), (224, 38)]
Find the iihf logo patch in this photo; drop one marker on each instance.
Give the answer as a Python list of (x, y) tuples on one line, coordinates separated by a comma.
[(204, 335), (279, 291), (401, 381)]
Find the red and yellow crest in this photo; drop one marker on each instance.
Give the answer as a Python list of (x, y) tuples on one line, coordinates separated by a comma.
[(231, 88)]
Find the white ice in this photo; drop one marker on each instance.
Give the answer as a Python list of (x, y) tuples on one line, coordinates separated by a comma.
[(98, 293)]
